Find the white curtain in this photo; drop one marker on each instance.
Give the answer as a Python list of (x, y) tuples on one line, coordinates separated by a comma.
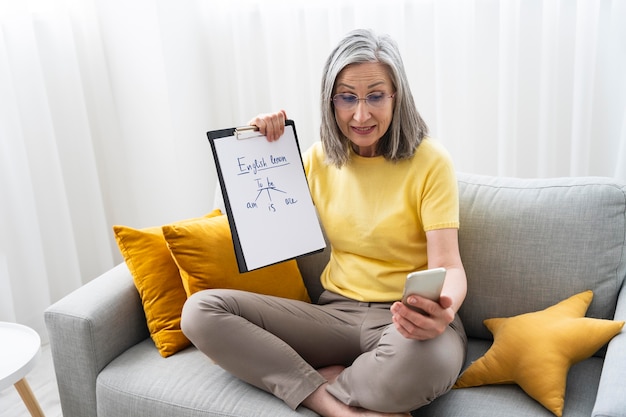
[(104, 105)]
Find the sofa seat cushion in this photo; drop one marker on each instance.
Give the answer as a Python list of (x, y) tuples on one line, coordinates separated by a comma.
[(511, 400), (142, 383), (188, 384)]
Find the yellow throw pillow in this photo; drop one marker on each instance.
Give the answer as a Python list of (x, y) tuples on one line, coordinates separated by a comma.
[(536, 350), (158, 282), (205, 255)]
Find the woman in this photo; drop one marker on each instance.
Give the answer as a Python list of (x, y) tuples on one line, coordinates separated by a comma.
[(387, 197)]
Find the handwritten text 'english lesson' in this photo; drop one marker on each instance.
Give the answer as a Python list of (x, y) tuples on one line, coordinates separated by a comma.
[(247, 166)]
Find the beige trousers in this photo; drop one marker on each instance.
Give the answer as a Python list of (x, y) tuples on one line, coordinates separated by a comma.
[(277, 344)]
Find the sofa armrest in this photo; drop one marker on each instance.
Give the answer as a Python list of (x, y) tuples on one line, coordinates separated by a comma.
[(88, 328), (610, 401)]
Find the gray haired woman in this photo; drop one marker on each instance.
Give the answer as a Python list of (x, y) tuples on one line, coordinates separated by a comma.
[(387, 197)]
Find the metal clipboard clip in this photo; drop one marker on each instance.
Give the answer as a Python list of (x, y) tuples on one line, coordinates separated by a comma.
[(247, 132)]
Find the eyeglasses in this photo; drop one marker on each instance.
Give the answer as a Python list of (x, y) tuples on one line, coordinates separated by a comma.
[(348, 101)]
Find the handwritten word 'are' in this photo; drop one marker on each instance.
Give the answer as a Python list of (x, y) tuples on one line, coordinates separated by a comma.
[(260, 164)]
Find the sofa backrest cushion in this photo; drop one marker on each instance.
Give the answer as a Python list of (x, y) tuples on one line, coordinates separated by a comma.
[(527, 244)]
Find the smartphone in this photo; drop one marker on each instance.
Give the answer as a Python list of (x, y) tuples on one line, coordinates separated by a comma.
[(427, 284)]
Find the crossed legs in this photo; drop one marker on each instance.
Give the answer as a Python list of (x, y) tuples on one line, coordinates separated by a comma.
[(338, 359)]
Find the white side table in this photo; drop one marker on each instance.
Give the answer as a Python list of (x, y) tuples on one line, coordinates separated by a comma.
[(20, 348)]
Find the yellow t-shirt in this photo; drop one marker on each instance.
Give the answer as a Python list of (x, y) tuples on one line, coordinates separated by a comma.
[(376, 212)]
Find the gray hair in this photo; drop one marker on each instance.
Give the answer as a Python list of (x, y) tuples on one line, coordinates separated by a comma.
[(407, 128)]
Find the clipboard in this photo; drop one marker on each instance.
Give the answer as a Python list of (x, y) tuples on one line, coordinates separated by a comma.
[(266, 195)]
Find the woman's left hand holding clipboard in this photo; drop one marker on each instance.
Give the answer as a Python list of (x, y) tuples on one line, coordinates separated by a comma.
[(271, 125)]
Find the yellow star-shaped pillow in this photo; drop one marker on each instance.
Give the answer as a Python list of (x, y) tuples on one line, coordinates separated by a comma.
[(536, 350)]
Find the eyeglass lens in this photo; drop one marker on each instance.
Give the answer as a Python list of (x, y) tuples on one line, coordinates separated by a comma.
[(348, 101)]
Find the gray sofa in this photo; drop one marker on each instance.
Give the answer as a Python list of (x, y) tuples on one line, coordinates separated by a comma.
[(525, 244)]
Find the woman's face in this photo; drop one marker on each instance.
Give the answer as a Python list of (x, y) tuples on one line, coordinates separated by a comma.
[(364, 122)]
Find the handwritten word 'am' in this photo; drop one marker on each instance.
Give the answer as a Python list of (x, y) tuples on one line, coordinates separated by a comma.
[(245, 166)]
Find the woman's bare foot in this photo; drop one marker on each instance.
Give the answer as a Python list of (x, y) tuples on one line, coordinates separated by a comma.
[(331, 372), (368, 413), (326, 405)]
